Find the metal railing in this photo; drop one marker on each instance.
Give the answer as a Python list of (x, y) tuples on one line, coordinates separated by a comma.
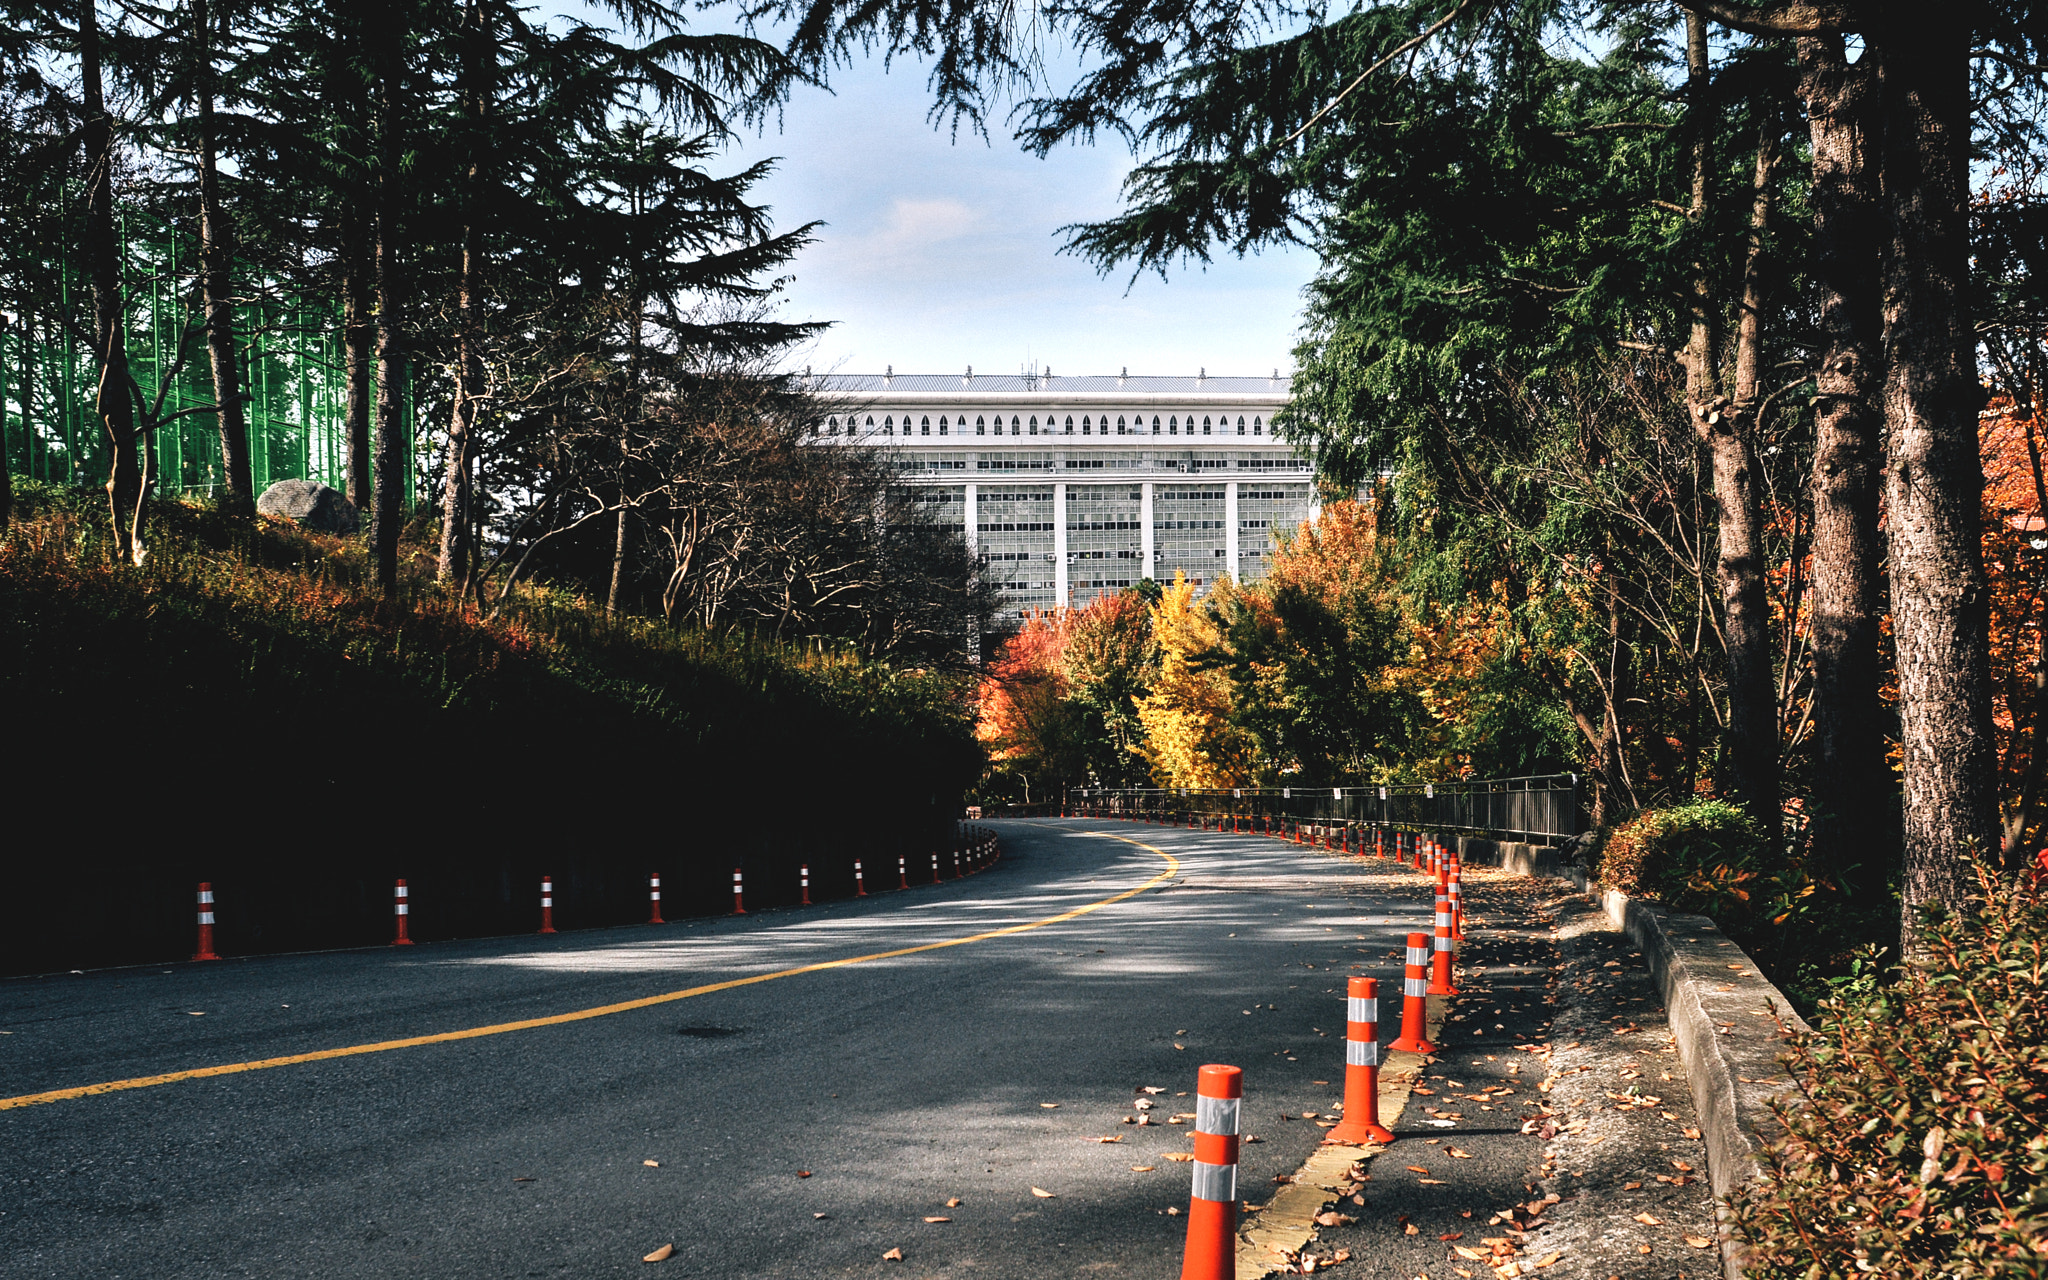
[(1538, 809)]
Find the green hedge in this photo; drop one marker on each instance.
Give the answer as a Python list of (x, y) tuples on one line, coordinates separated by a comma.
[(1918, 1146)]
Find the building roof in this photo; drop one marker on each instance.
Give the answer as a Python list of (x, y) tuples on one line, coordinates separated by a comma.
[(1044, 384)]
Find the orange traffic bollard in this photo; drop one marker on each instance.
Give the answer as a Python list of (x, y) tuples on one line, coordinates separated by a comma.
[(654, 895), (804, 881), (205, 951), (1361, 1066), (1415, 999), (1456, 888), (547, 903), (902, 876), (401, 908), (1211, 1252), (860, 886), (1440, 963), (739, 901)]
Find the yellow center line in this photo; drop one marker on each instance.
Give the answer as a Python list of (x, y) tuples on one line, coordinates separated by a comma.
[(579, 1015)]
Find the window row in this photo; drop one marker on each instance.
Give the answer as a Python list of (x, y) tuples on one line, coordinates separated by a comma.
[(1125, 425)]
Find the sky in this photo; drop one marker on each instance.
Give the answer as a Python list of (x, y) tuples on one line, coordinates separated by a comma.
[(939, 254)]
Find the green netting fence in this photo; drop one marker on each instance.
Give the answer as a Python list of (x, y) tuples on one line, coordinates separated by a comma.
[(289, 346)]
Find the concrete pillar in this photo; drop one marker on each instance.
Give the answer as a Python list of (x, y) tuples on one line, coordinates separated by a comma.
[(973, 534), (1145, 529), (1059, 543), (1230, 529)]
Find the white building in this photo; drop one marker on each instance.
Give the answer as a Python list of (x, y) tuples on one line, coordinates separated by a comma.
[(1067, 488)]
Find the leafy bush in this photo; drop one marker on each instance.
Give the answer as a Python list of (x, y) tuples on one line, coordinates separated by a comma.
[(1918, 1147), (1705, 856)]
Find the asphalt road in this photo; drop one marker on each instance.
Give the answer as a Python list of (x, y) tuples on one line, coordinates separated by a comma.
[(896, 1083)]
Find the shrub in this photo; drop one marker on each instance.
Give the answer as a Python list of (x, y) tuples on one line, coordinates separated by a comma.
[(1917, 1146), (1704, 856)]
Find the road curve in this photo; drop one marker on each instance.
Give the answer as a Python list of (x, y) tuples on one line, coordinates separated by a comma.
[(487, 1108)]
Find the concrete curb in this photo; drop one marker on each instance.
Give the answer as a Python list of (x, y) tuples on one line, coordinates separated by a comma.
[(1728, 1020)]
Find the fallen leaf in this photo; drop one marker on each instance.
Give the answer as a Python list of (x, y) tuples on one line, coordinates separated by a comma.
[(1649, 1220), (1043, 1194), (938, 1219), (1415, 1168), (1469, 1255), (1432, 1182), (522, 1179), (1412, 1230), (1643, 1248), (1309, 1115), (1342, 1255), (1456, 1154), (1173, 1211), (1454, 1235), (1631, 1186), (894, 1255), (660, 1255), (1699, 1242), (1151, 1088), (1681, 1166), (1050, 1106), (1694, 1134), (1179, 1157), (652, 1164), (818, 1216), (1113, 1138), (954, 1203), (1334, 1219), (1180, 1046), (1548, 1260), (1143, 1168)]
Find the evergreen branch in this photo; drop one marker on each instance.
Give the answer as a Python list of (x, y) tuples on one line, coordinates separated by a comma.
[(1404, 47)]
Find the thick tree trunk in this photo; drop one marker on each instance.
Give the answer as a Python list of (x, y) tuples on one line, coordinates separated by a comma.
[(1933, 479), (358, 339), (102, 253), (216, 250), (393, 433), (454, 561), (1725, 426), (1853, 808)]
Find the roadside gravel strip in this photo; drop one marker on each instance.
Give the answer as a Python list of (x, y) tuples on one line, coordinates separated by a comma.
[(1552, 1136)]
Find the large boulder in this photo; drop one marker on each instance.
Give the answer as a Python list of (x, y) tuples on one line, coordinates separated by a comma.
[(309, 503)]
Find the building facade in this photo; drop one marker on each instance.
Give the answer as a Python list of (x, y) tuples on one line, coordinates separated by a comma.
[(1067, 488)]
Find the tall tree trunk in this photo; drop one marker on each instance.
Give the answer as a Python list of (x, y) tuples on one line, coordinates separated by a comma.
[(358, 339), (1853, 812), (216, 250), (393, 433), (1933, 479), (454, 560), (101, 250), (1725, 427)]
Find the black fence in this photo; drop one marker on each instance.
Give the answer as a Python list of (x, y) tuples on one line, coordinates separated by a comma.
[(1541, 809)]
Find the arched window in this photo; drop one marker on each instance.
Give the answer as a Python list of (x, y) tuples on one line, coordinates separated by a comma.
[(1070, 424), (978, 428), (871, 424), (1240, 424), (927, 426), (1155, 424), (1034, 424), (1258, 427), (1173, 425), (1084, 424), (1205, 425), (889, 425), (1120, 424), (1013, 424)]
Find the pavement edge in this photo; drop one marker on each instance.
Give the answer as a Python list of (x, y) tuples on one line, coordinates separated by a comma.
[(1728, 1021)]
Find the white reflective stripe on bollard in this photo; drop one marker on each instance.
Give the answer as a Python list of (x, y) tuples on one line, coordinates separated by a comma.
[(1215, 1182), (1361, 1009), (1217, 1115), (1362, 1053)]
